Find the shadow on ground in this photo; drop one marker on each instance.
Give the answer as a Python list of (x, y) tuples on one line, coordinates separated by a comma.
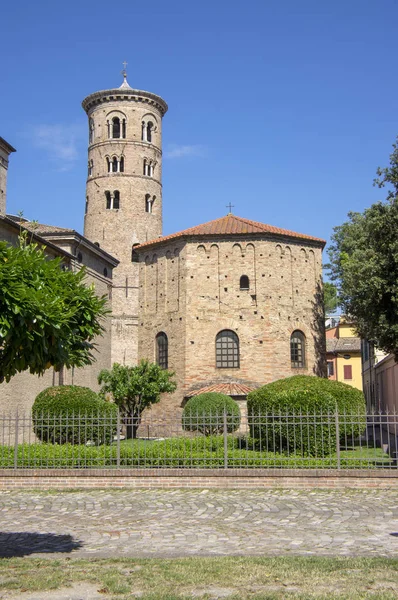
[(24, 543)]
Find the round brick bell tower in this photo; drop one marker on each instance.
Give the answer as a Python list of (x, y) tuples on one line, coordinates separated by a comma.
[(124, 194)]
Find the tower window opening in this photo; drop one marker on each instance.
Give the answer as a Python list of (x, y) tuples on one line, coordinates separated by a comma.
[(108, 200), (244, 283), (121, 164), (116, 127), (143, 131), (145, 166), (148, 203), (114, 165), (116, 199), (149, 129), (151, 167), (135, 257), (86, 205), (90, 167), (108, 163), (91, 131), (124, 128)]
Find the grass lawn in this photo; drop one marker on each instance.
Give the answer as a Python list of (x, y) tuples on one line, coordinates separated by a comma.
[(184, 452), (232, 577)]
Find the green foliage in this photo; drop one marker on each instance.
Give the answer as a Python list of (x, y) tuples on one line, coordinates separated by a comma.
[(72, 414), (48, 317), (346, 399), (135, 388), (364, 263), (205, 413), (331, 300), (279, 422)]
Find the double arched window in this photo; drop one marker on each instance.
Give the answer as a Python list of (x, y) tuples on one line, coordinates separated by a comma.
[(162, 350), (115, 164), (148, 167), (227, 350), (112, 200), (149, 202), (117, 128), (297, 350), (147, 131)]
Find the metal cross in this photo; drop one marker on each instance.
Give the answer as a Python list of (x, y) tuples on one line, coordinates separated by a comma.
[(230, 206), (125, 64)]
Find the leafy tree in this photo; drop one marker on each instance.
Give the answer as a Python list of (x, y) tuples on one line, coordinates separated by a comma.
[(364, 262), (135, 388), (48, 316), (330, 297)]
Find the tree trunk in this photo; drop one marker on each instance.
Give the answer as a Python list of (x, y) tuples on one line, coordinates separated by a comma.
[(132, 423)]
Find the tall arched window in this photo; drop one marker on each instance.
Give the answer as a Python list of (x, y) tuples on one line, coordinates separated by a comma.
[(114, 165), (91, 130), (227, 350), (116, 199), (149, 203), (121, 164), (143, 131), (162, 350), (116, 127), (244, 282), (108, 164), (124, 128), (149, 129), (108, 200), (297, 350)]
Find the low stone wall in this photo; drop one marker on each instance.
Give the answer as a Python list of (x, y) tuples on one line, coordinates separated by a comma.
[(63, 479)]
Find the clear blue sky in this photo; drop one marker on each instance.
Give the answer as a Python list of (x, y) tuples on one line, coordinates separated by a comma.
[(283, 108)]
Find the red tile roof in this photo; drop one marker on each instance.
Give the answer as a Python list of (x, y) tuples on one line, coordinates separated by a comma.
[(230, 389), (230, 225)]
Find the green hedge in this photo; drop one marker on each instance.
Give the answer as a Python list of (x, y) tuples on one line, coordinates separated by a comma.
[(294, 421), (72, 414), (205, 413), (349, 401)]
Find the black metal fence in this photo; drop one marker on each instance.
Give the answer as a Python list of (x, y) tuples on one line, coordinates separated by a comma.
[(277, 440)]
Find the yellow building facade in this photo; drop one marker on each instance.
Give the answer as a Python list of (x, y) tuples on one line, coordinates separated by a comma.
[(343, 355)]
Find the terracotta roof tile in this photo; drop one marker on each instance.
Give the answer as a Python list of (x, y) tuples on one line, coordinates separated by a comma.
[(41, 229), (230, 225), (343, 344), (230, 389)]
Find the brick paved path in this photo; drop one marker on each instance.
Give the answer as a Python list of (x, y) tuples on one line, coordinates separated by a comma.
[(171, 523)]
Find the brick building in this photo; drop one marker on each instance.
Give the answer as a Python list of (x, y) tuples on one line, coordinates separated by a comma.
[(229, 305)]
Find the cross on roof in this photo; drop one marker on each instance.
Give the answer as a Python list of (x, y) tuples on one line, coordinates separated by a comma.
[(230, 206), (124, 72)]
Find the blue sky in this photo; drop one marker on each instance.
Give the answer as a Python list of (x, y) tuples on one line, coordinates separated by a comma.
[(283, 108)]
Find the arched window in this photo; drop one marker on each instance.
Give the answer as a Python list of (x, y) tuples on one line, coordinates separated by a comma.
[(116, 127), (90, 167), (227, 350), (244, 282), (145, 167), (149, 203), (143, 131), (121, 164), (135, 257), (162, 350), (116, 199), (114, 165), (86, 205), (108, 164), (149, 129), (91, 130), (108, 200), (124, 128), (297, 350)]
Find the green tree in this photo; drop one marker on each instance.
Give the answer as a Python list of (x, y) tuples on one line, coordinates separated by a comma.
[(330, 297), (135, 388), (364, 263), (48, 316)]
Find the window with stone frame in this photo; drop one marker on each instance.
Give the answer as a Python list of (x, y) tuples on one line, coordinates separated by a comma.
[(297, 350), (244, 283), (162, 350), (227, 350)]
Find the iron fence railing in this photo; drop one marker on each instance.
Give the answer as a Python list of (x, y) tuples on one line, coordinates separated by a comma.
[(221, 441)]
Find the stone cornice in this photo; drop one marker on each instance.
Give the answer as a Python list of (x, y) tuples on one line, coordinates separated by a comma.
[(129, 95), (6, 146), (112, 176), (125, 142)]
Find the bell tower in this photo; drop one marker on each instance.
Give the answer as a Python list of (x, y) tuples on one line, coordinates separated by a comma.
[(124, 194)]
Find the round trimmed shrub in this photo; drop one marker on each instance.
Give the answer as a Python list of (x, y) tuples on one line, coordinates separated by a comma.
[(297, 421), (73, 414), (205, 413), (349, 402)]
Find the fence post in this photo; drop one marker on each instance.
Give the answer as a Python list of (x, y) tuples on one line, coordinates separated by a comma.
[(16, 441), (118, 439), (225, 440), (336, 416)]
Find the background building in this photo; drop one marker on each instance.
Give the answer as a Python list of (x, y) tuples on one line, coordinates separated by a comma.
[(343, 354)]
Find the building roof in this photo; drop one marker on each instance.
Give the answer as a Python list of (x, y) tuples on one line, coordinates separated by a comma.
[(7, 147), (230, 389), (231, 225), (42, 229), (343, 344)]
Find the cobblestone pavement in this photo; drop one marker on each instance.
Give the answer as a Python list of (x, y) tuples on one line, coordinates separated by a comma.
[(175, 523)]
